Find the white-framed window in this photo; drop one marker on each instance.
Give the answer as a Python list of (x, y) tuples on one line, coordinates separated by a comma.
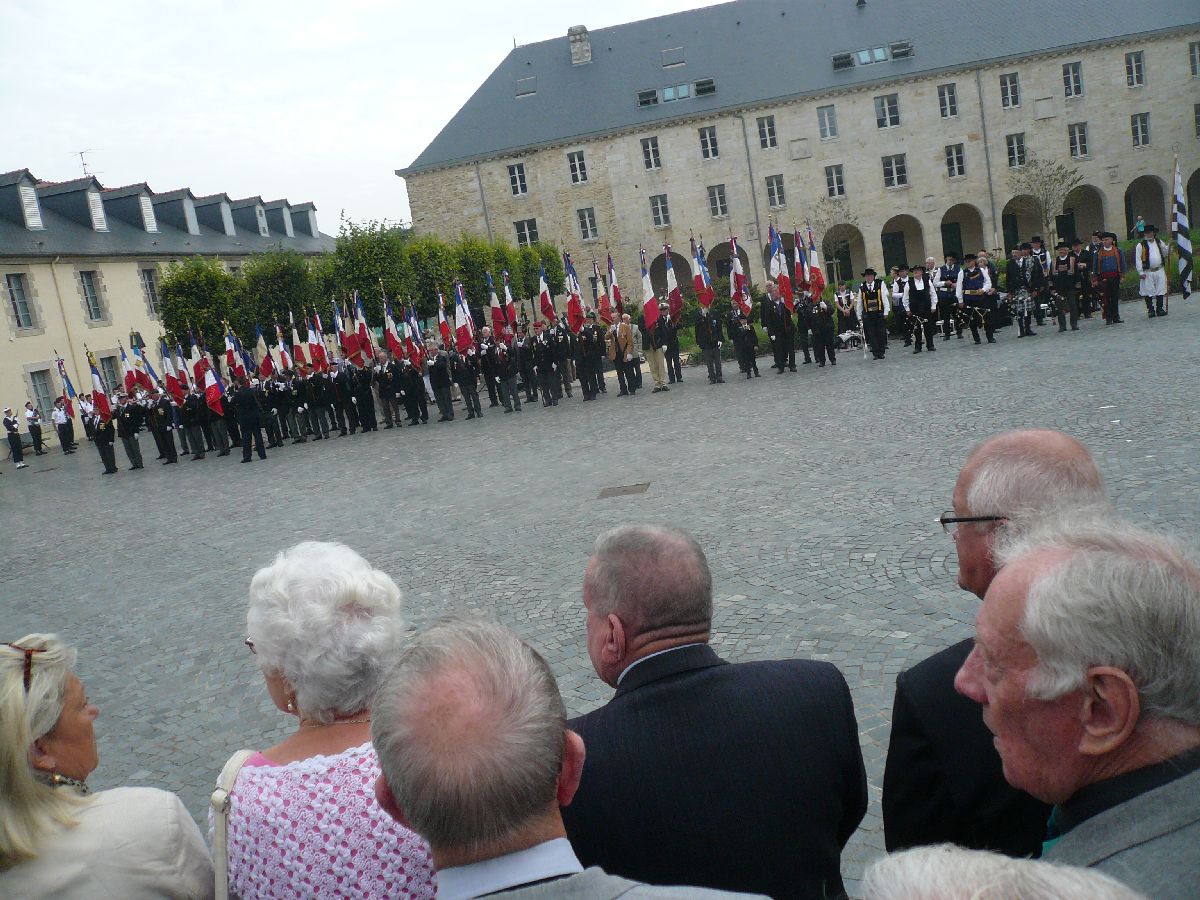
[(956, 163), (1010, 90), (766, 132), (776, 198), (150, 287), (18, 299), (516, 179), (110, 373), (827, 122), (676, 92), (948, 100), (91, 296), (1139, 125), (1016, 149), (708, 142), (871, 55), (717, 206), (1135, 69), (650, 156), (835, 181), (1194, 58), (578, 167), (895, 171), (1072, 80), (659, 211), (149, 220), (887, 111), (43, 397), (1077, 137), (587, 223), (526, 232)]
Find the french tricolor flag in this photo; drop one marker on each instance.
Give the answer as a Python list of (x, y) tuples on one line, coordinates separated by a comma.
[(674, 296), (510, 305), (285, 358), (499, 322), (544, 298), (464, 325), (214, 392), (614, 288), (701, 280), (99, 395), (649, 301), (779, 267)]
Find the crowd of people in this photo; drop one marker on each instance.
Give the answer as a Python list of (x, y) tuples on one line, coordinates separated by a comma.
[(547, 359), (1054, 755)]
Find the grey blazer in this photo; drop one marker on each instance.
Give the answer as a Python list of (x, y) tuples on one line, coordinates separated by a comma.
[(1152, 842), (595, 884)]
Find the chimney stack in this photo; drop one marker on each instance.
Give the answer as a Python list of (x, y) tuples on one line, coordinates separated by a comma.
[(581, 45)]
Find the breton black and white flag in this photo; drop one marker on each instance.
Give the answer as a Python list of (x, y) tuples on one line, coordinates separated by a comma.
[(1183, 237)]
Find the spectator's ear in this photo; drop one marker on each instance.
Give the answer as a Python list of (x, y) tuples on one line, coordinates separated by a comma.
[(383, 794), (1110, 712), (571, 772)]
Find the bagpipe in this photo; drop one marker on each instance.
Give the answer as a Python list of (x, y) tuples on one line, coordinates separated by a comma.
[(1020, 302), (967, 315)]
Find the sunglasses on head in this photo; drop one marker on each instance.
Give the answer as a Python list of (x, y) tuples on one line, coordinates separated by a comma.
[(28, 670)]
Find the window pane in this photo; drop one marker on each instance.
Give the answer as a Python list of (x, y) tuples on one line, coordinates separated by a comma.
[(43, 399), (19, 300)]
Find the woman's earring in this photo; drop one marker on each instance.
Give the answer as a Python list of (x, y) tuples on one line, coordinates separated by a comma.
[(291, 706)]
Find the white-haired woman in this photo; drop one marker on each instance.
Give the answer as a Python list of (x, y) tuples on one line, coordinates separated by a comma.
[(57, 839), (303, 821)]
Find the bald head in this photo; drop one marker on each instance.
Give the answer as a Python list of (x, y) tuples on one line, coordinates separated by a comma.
[(469, 728)]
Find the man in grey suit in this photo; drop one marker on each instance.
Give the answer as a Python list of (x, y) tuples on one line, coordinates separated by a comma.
[(475, 754), (1087, 665)]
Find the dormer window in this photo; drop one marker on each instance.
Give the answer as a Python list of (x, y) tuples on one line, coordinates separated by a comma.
[(96, 208), (30, 207), (149, 221), (262, 221), (843, 61), (672, 57)]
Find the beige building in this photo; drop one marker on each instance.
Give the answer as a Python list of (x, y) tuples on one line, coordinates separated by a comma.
[(891, 128), (80, 267)]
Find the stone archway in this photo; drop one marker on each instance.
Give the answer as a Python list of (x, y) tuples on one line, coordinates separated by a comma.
[(962, 230), (1083, 213), (1018, 221), (1146, 196), (844, 252), (1191, 191), (902, 240), (658, 273), (719, 261)]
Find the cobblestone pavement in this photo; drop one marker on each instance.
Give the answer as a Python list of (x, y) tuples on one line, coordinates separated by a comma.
[(814, 494)]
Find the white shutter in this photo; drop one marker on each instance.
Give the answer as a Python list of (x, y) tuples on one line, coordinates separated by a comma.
[(29, 203), (148, 218), (96, 206)]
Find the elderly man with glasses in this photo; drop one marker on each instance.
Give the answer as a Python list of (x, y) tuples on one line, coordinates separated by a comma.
[(943, 780)]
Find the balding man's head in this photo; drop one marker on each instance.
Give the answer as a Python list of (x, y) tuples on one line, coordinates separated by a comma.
[(1022, 477), (646, 588), (471, 735)]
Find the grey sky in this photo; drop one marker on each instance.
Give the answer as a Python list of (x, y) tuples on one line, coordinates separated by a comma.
[(282, 98)]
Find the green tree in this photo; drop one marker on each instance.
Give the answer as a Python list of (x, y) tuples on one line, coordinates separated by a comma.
[(474, 258), (433, 267), (201, 294), (551, 258), (273, 284), (525, 275), (368, 255)]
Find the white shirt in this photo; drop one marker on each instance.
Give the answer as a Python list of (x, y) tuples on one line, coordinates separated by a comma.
[(883, 296), (58, 416), (958, 286), (549, 859), (1155, 252), (625, 671), (33, 416)]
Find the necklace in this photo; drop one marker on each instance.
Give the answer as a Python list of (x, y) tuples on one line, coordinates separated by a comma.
[(338, 722), (55, 780)]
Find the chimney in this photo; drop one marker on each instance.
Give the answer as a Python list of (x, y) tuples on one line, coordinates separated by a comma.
[(581, 46)]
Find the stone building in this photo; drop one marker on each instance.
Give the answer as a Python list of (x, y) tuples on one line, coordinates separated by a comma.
[(80, 264), (894, 128)]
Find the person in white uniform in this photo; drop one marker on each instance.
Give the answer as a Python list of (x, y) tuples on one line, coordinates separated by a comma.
[(1150, 257)]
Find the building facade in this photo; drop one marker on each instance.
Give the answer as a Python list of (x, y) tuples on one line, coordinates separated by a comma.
[(896, 133), (80, 267)]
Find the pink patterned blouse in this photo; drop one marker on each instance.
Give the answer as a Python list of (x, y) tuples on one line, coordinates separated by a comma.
[(313, 828)]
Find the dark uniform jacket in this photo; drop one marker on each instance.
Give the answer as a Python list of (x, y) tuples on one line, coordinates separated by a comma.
[(195, 410), (744, 777), (545, 353), (465, 370), (104, 432), (708, 329), (439, 370), (591, 344), (130, 418), (245, 405), (943, 781)]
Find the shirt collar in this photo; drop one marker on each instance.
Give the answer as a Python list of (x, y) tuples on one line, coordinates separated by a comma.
[(1104, 795), (652, 655), (549, 859)]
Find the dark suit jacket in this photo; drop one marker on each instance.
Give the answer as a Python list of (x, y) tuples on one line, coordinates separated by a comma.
[(943, 780), (741, 777)]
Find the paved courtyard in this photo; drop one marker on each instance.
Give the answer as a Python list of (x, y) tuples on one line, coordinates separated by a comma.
[(815, 496)]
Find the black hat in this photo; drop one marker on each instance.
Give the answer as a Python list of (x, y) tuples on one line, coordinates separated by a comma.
[(867, 272), (951, 255), (1150, 228), (970, 257), (1075, 241), (1062, 245), (1037, 239), (1108, 234), (920, 266), (903, 267), (1025, 246)]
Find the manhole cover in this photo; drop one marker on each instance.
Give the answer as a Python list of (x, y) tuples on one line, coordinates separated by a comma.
[(623, 490)]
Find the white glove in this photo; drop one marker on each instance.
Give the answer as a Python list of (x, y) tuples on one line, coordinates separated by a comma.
[(497, 379), (398, 396), (771, 336), (354, 400), (301, 408)]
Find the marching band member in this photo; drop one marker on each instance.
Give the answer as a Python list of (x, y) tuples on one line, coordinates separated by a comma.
[(1110, 268), (946, 281), (896, 285), (872, 306), (919, 302), (970, 290), (1064, 280), (1150, 258)]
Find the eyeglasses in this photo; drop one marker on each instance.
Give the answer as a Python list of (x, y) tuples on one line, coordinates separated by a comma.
[(249, 643), (950, 522), (28, 672)]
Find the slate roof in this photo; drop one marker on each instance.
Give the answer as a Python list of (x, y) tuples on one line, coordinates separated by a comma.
[(758, 52)]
